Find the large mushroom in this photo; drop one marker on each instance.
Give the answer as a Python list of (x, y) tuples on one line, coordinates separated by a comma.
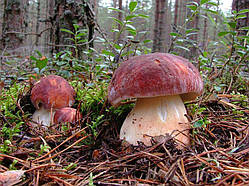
[(47, 95), (161, 83)]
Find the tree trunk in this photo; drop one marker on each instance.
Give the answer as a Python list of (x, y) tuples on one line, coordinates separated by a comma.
[(37, 22), (176, 13), (65, 15), (205, 34), (240, 5), (120, 17), (160, 28), (156, 28), (14, 24), (194, 23)]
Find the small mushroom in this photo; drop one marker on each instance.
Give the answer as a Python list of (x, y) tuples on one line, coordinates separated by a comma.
[(67, 114), (47, 95), (161, 83)]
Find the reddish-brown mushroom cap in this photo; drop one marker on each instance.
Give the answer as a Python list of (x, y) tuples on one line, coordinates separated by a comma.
[(52, 92), (156, 74), (67, 114)]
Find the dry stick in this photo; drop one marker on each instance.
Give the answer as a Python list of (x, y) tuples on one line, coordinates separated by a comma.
[(37, 178), (182, 169), (19, 160), (62, 150), (60, 144), (208, 164), (41, 166), (225, 179), (60, 180)]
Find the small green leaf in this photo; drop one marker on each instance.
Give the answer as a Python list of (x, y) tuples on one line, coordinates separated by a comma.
[(66, 30), (132, 32), (132, 6), (241, 16), (191, 30), (244, 28), (41, 64), (192, 7), (181, 47), (143, 16), (147, 41), (232, 24), (116, 9), (117, 20), (33, 58), (204, 2), (211, 11), (198, 124), (175, 34), (243, 11), (220, 34), (130, 17), (39, 53), (130, 27), (76, 26), (108, 53)]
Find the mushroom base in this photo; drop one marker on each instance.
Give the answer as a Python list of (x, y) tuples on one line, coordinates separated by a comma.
[(158, 116), (43, 117)]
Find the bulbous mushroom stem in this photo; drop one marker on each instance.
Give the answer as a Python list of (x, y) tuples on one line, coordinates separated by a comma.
[(43, 116), (155, 117)]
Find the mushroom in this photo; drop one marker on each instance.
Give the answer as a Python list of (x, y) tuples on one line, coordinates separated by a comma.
[(67, 114), (50, 93), (161, 83)]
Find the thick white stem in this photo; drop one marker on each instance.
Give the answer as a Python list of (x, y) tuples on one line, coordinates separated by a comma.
[(43, 116), (156, 117)]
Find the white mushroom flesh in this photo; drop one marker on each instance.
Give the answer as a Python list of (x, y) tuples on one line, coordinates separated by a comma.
[(43, 116), (156, 116)]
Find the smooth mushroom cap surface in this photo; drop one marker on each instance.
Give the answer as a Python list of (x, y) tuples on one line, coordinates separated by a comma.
[(160, 82), (67, 114), (156, 74), (50, 93)]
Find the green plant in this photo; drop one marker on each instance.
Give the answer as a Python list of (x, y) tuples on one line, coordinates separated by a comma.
[(91, 177), (5, 147), (40, 62), (44, 148), (13, 117), (78, 38), (13, 164), (130, 45)]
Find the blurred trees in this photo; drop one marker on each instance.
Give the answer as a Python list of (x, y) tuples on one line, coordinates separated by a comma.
[(38, 24), (14, 24), (240, 5)]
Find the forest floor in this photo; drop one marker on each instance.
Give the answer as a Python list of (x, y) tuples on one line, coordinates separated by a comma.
[(218, 155)]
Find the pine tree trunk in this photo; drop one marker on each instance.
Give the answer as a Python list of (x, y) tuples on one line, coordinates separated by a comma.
[(65, 15), (156, 27), (176, 13), (194, 38), (160, 27), (37, 22), (14, 25), (240, 5), (120, 17), (205, 34)]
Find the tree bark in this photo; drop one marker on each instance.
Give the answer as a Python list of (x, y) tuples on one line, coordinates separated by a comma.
[(240, 5), (160, 27), (38, 22), (65, 15), (14, 24), (176, 12)]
